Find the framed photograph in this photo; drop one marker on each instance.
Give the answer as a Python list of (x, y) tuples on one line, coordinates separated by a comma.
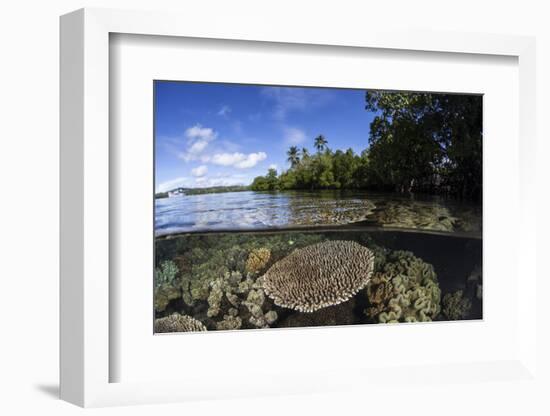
[(228, 198), (375, 218)]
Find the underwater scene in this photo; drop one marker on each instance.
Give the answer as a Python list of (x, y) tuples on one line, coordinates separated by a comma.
[(379, 223)]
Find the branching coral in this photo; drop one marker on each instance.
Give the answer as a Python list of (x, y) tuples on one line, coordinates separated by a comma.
[(178, 323), (166, 274), (230, 321), (455, 306), (405, 290), (205, 259), (234, 295), (319, 275), (166, 285)]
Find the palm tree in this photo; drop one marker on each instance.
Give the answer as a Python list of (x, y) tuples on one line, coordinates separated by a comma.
[(320, 143), (305, 153), (293, 156)]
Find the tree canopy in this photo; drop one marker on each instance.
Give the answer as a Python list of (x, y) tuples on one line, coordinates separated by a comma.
[(418, 142)]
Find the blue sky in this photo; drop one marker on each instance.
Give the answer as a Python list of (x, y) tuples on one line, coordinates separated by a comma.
[(227, 134)]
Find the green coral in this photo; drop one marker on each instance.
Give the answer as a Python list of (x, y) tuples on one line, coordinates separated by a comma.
[(166, 274), (455, 306), (166, 285), (404, 290)]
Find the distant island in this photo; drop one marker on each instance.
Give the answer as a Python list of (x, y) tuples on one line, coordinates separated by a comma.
[(200, 191)]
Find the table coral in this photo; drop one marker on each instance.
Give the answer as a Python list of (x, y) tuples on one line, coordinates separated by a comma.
[(319, 275), (178, 323)]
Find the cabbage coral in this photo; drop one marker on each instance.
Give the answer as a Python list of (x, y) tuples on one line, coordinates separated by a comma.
[(405, 290)]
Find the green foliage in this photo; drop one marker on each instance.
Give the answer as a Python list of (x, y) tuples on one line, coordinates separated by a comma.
[(426, 142), (324, 170), (216, 190), (270, 182), (320, 143), (419, 142), (293, 156), (160, 195)]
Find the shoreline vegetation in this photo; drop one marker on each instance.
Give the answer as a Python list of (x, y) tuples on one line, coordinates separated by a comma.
[(200, 191), (418, 143)]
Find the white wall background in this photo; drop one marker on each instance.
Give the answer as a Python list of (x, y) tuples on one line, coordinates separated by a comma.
[(29, 206)]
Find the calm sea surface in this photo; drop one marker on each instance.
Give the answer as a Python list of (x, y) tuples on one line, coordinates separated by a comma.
[(268, 210)]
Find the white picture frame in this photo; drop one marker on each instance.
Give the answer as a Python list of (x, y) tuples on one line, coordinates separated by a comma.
[(86, 353)]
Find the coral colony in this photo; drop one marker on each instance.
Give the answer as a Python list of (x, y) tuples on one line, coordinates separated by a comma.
[(294, 279)]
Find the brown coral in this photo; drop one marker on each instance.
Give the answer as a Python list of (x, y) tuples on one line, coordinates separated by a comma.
[(456, 306), (178, 323), (410, 292), (379, 292), (257, 260), (164, 294), (319, 275)]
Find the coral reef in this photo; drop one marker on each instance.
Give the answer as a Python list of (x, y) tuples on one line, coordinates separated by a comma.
[(178, 323), (319, 275), (202, 260), (404, 290), (240, 300), (164, 294), (230, 321), (166, 285), (413, 214), (455, 306), (257, 260)]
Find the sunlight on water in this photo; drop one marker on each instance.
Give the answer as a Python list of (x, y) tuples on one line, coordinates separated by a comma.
[(263, 210)]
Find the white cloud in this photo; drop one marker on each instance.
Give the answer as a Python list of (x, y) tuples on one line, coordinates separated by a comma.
[(251, 160), (238, 160), (273, 166), (198, 132), (199, 171), (224, 111), (198, 147), (294, 135), (198, 138), (182, 182)]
